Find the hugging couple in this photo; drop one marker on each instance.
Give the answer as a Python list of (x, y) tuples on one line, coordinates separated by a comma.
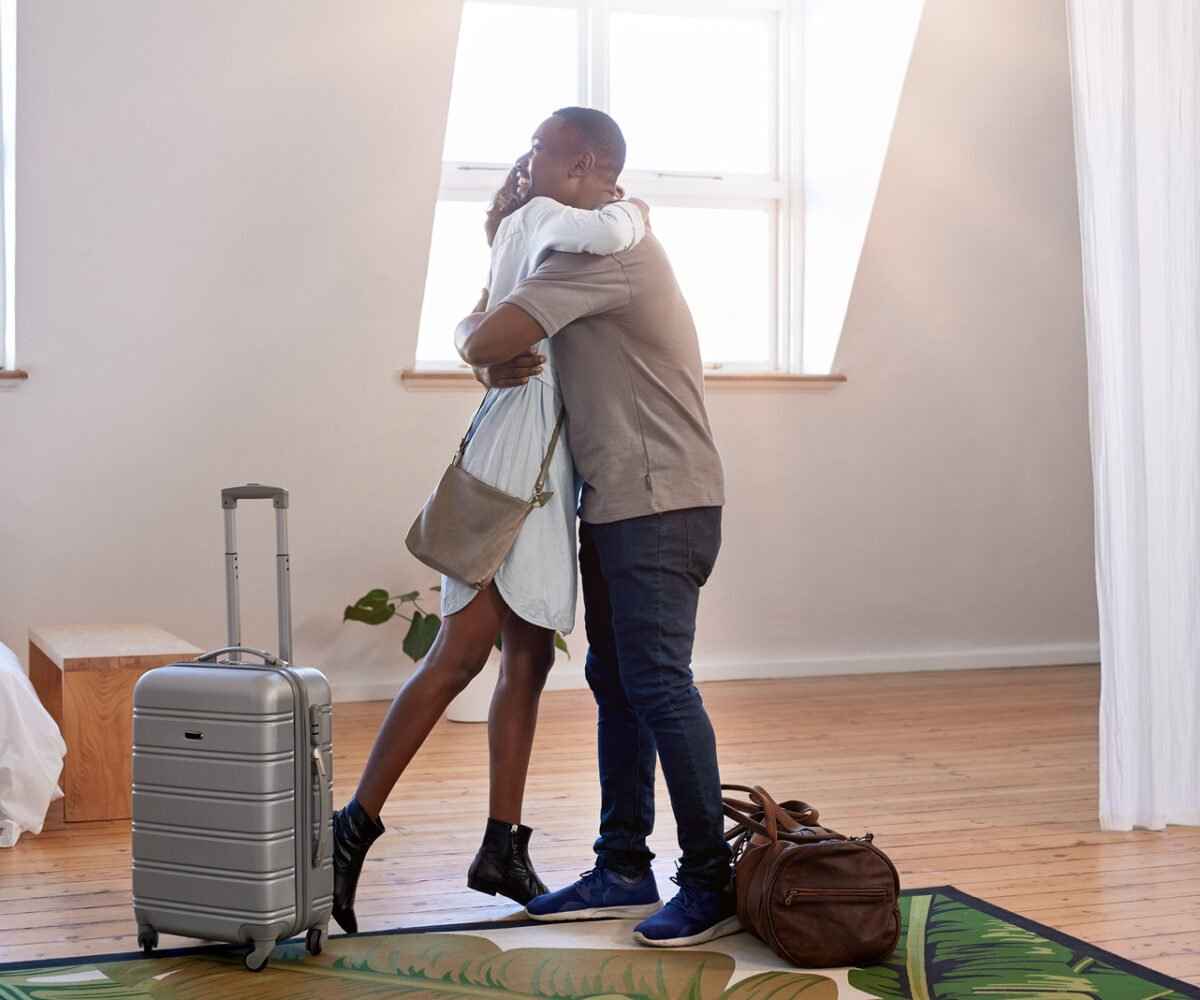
[(582, 313)]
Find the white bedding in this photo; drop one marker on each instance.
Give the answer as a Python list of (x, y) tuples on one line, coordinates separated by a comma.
[(31, 754)]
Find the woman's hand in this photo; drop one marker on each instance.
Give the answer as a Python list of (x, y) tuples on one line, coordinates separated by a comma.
[(513, 193), (642, 207)]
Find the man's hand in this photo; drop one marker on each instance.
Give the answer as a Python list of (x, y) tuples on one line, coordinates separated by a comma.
[(508, 374), (643, 208)]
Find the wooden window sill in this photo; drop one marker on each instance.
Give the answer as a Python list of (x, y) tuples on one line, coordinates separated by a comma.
[(13, 375), (449, 378)]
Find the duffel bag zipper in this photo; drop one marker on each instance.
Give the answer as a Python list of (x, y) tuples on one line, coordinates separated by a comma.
[(864, 895)]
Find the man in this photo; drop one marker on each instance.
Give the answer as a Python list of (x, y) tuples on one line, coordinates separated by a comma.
[(629, 367)]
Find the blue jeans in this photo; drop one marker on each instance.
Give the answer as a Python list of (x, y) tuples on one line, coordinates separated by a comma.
[(641, 587)]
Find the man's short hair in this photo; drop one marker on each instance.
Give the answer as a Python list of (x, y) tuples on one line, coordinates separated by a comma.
[(601, 134)]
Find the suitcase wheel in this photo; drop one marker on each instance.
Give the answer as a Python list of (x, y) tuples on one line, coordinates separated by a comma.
[(147, 940), (314, 940), (259, 954)]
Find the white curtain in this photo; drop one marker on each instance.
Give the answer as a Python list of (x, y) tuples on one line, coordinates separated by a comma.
[(1136, 77)]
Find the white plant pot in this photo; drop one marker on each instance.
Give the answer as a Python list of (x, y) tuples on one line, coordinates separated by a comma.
[(473, 702)]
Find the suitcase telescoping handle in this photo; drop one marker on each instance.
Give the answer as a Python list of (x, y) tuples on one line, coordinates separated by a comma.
[(283, 587), (213, 655)]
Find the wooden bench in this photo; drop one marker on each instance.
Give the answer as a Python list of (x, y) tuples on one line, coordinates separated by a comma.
[(84, 675)]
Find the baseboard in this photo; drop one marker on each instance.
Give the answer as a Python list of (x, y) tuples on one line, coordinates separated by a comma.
[(982, 658), (568, 675)]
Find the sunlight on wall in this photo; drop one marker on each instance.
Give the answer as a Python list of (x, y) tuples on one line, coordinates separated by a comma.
[(858, 50)]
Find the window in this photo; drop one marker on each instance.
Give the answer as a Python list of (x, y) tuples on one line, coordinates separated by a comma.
[(711, 96), (704, 150), (8, 79)]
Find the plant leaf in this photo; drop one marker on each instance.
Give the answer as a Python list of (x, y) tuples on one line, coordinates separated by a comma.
[(408, 598), (421, 634), (368, 616), (373, 608), (561, 643)]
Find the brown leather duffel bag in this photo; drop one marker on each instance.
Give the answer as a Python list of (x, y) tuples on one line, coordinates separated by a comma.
[(819, 899)]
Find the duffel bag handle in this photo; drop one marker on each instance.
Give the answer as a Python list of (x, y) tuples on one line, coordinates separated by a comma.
[(743, 813), (795, 814)]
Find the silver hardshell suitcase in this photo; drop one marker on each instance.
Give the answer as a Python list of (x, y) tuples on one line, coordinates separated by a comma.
[(233, 783)]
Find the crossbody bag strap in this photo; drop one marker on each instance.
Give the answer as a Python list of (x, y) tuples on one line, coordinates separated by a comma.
[(462, 445), (540, 496)]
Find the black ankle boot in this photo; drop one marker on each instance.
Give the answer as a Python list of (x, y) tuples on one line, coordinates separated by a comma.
[(502, 864), (353, 834)]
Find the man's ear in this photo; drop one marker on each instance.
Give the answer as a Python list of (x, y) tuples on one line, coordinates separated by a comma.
[(584, 164)]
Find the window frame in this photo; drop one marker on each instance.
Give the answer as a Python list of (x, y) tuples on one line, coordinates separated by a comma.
[(781, 190)]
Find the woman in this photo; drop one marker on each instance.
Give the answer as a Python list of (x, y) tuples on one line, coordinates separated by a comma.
[(533, 594)]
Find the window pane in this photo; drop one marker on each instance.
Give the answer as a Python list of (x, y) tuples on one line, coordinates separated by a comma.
[(693, 93), (515, 65), (722, 261), (458, 270), (721, 258)]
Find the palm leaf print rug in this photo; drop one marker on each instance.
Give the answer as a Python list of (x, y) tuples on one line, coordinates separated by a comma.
[(952, 946)]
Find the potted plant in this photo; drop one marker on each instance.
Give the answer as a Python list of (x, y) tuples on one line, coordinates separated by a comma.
[(379, 606)]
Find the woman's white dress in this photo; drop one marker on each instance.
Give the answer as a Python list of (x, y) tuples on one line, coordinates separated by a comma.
[(509, 437)]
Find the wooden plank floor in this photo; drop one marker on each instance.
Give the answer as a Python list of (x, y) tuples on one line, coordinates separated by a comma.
[(982, 779)]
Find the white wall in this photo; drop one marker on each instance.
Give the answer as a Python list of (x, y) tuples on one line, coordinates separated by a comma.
[(224, 212)]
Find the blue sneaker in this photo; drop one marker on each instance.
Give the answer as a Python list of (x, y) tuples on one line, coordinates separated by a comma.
[(692, 917), (598, 893)]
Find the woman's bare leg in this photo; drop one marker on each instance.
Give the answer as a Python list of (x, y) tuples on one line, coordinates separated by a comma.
[(503, 865), (458, 654), (525, 662)]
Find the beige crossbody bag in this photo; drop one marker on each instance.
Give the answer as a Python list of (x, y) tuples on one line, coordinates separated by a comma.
[(467, 528)]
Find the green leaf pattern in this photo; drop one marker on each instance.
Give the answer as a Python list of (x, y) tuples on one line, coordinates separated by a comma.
[(441, 967), (948, 950)]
